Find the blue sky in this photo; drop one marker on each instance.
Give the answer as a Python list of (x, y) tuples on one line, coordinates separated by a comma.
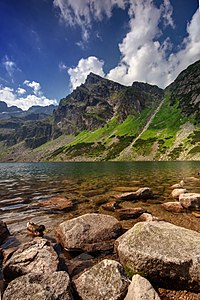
[(48, 47)]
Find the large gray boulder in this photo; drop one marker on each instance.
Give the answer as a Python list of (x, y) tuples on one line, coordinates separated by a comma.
[(141, 289), (37, 256), (39, 287), (104, 281), (162, 252), (89, 232), (190, 201)]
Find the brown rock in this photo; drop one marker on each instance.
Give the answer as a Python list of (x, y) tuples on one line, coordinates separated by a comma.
[(111, 206), (196, 214), (4, 232), (37, 256), (146, 217), (57, 203), (129, 213), (79, 264), (173, 207), (90, 232), (177, 192), (39, 287)]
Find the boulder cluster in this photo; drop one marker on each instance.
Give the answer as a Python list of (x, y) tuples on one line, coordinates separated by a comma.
[(184, 199), (95, 259)]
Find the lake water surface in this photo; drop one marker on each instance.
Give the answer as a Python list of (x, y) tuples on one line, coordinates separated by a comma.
[(23, 186)]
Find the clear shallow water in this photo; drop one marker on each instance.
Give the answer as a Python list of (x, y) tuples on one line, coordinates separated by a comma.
[(23, 186)]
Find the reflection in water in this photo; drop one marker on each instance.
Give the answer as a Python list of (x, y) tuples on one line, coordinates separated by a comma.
[(23, 186)]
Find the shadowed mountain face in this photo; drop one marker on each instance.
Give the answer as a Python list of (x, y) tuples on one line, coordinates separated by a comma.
[(186, 89), (98, 100)]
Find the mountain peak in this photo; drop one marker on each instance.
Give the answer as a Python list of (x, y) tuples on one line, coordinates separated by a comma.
[(93, 78)]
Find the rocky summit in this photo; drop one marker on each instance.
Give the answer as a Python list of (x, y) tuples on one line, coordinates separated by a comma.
[(104, 120)]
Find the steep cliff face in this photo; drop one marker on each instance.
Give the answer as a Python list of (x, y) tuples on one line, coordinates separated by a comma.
[(97, 101), (186, 89)]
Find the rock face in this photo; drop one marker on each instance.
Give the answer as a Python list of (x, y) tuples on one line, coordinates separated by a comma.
[(143, 193), (173, 207), (57, 203), (37, 256), (104, 281), (98, 100), (89, 232), (186, 89), (4, 233), (141, 289), (39, 287), (190, 201), (164, 253)]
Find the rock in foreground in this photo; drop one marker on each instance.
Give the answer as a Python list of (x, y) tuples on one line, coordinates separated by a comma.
[(37, 256), (104, 281), (39, 287), (90, 232), (166, 254), (141, 289)]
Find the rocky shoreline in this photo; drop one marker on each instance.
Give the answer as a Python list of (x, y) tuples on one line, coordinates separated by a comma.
[(94, 257)]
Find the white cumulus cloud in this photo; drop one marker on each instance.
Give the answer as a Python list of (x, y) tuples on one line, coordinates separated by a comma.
[(18, 98), (79, 73), (35, 86), (143, 57), (20, 91)]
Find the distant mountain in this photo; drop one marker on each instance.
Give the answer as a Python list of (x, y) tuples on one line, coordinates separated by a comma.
[(104, 120), (14, 111), (5, 109)]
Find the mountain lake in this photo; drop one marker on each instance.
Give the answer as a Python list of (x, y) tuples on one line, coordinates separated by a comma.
[(24, 186)]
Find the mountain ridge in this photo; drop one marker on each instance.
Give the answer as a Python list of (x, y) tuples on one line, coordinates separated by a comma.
[(104, 120)]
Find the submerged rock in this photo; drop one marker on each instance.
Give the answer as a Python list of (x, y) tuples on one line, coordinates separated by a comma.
[(90, 232), (57, 203), (111, 206), (146, 217), (141, 289), (4, 232), (162, 252), (104, 281), (143, 193), (190, 201), (173, 207), (37, 256), (39, 287), (130, 213)]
